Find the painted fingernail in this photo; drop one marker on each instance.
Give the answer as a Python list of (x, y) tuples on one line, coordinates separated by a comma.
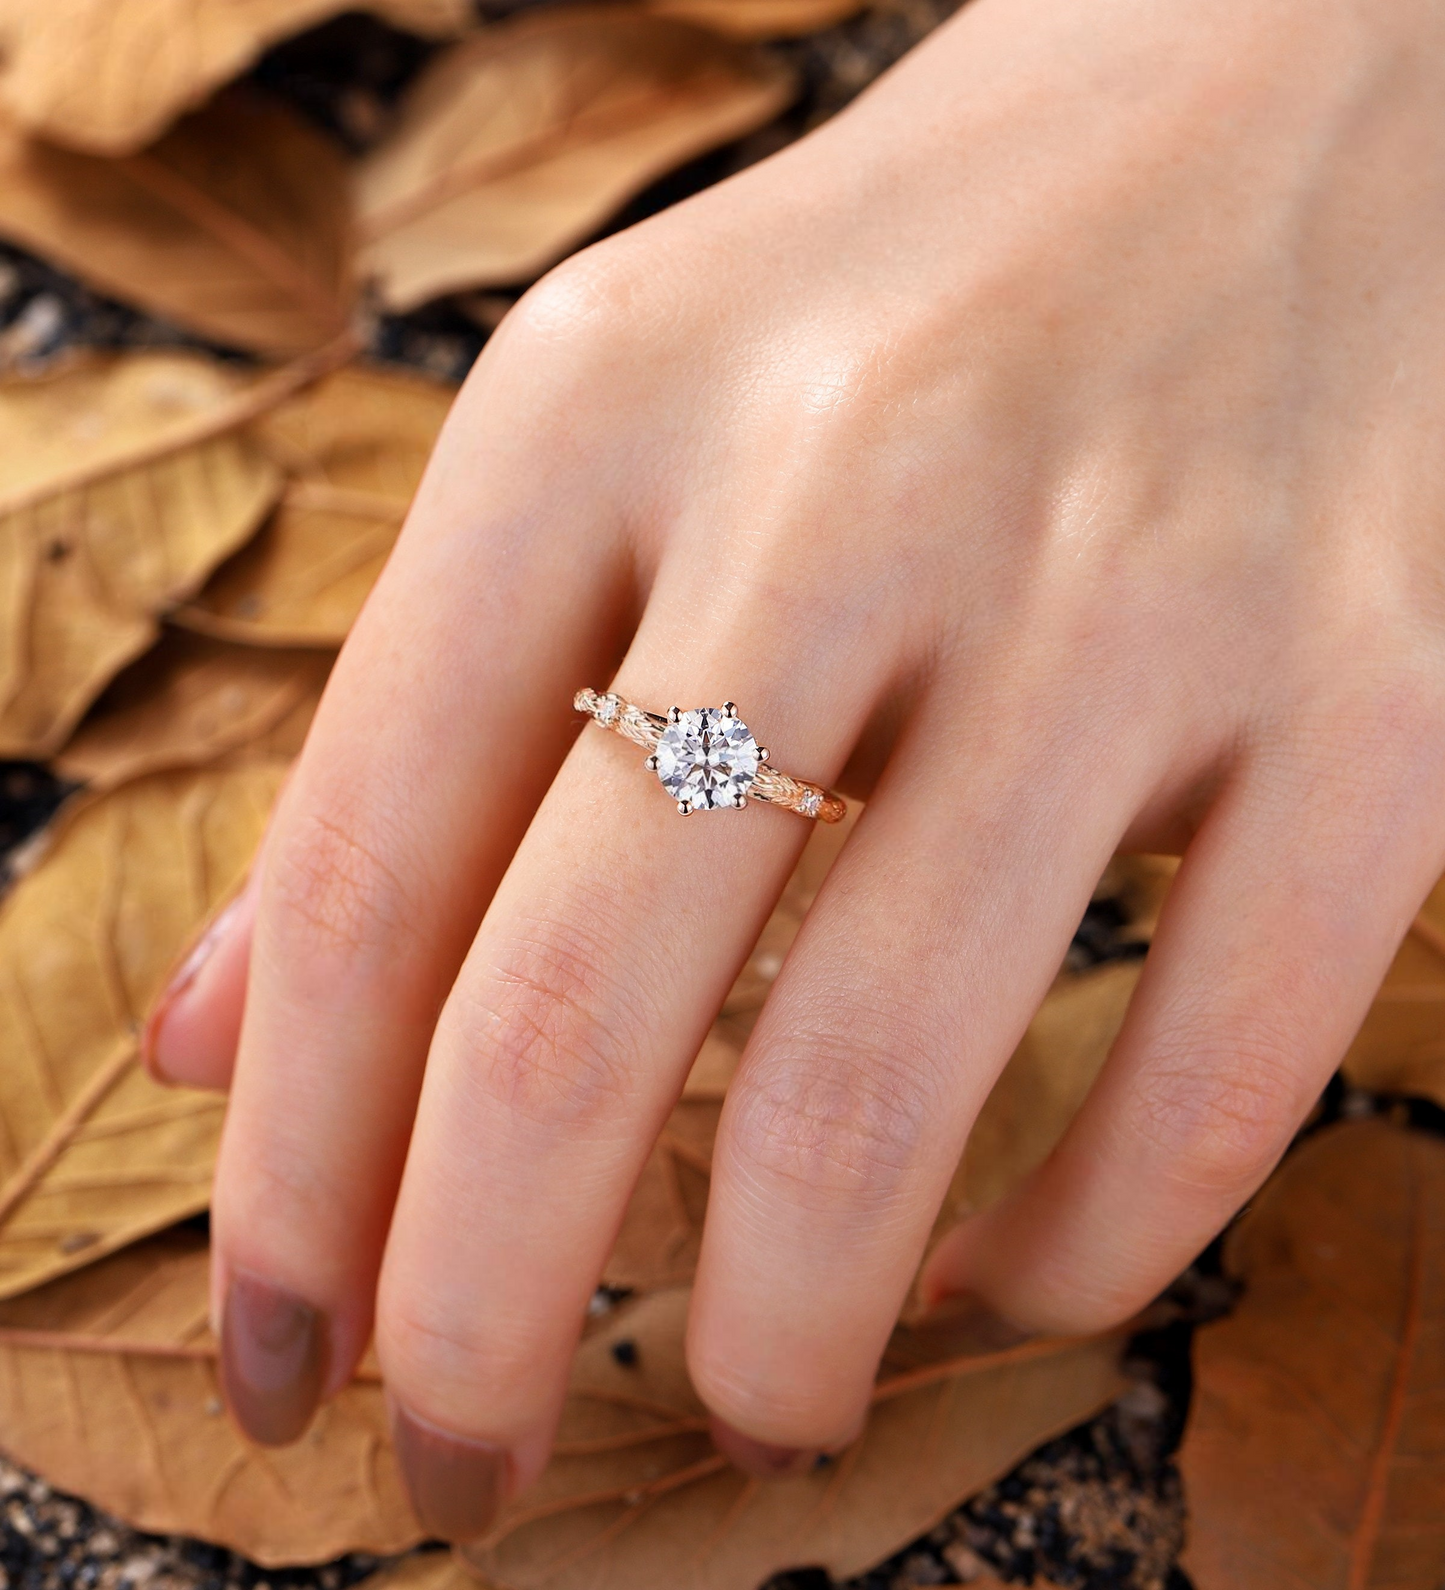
[(153, 1045), (456, 1485), (273, 1360), (759, 1459)]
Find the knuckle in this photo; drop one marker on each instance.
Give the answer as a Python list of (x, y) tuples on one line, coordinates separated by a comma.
[(338, 896), (551, 1026), (1216, 1119), (852, 1127), (588, 301)]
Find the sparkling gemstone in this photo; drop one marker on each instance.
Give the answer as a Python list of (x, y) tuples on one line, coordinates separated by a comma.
[(707, 759), (607, 708), (810, 803)]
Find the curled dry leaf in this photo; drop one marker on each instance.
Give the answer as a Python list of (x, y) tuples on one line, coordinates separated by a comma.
[(93, 1154), (517, 144), (235, 225), (108, 76), (636, 1496), (1315, 1451), (123, 482), (108, 1388), (1401, 1046), (758, 19), (191, 700), (354, 447)]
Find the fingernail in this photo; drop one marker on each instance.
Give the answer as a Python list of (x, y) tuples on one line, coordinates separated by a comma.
[(759, 1459), (273, 1360), (153, 1036), (456, 1485)]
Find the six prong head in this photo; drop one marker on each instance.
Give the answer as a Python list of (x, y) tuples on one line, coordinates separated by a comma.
[(730, 709), (684, 810), (651, 763), (762, 754), (673, 714)]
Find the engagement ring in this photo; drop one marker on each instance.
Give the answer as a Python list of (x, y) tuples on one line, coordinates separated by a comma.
[(707, 759)]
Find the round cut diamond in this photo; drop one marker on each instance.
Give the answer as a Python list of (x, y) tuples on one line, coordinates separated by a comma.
[(707, 758)]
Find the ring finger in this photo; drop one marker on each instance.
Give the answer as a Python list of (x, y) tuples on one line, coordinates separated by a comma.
[(584, 999)]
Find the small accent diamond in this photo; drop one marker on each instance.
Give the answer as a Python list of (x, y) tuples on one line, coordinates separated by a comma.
[(607, 708), (707, 759), (810, 802)]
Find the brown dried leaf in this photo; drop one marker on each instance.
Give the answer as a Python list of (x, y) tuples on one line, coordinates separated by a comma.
[(123, 482), (108, 76), (517, 144), (1043, 1085), (636, 1496), (1401, 1046), (1315, 1452), (93, 1154), (355, 446), (108, 1388), (235, 225), (190, 700), (661, 1233), (758, 19)]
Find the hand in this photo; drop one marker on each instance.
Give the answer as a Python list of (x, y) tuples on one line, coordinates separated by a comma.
[(1048, 448)]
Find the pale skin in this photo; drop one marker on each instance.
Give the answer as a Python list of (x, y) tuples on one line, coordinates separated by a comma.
[(1049, 450)]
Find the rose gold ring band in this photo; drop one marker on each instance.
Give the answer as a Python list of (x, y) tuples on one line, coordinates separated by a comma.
[(708, 759)]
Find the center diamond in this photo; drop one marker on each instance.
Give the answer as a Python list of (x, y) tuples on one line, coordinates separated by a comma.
[(707, 758)]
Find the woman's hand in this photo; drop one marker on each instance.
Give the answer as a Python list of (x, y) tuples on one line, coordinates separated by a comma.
[(1050, 448)]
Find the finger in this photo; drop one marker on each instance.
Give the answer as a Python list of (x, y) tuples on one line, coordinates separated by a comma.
[(446, 716), (191, 1035), (586, 996), (1275, 935), (917, 969)]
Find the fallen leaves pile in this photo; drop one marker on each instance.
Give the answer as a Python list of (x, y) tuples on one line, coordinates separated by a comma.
[(185, 539)]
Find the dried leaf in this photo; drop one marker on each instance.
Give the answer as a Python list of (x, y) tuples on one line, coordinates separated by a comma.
[(190, 700), (123, 482), (108, 1388), (355, 446), (235, 225), (425, 1570), (661, 1233), (93, 1154), (519, 143), (1315, 1452), (1401, 1046), (108, 76), (758, 19), (1043, 1085), (636, 1496)]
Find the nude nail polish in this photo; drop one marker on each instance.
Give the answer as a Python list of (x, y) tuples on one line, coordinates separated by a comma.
[(456, 1484), (189, 967), (273, 1360), (758, 1458)]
